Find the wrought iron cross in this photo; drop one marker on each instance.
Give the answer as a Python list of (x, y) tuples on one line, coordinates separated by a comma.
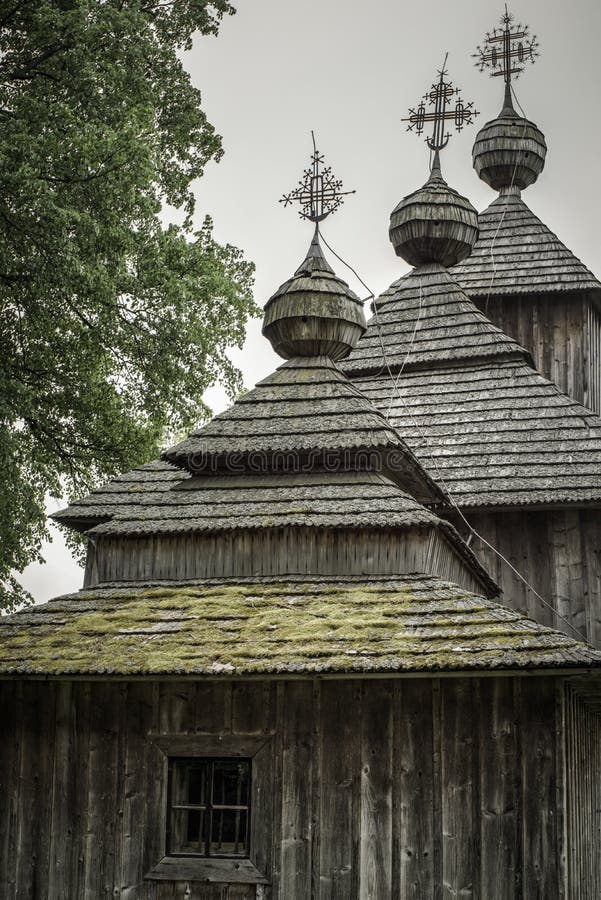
[(436, 106), (318, 192), (506, 50)]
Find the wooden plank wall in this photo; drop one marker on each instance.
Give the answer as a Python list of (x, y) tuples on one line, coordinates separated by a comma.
[(563, 334), (385, 788), (559, 554), (583, 788), (277, 551)]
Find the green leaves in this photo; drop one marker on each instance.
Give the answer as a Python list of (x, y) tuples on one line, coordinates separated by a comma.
[(111, 325)]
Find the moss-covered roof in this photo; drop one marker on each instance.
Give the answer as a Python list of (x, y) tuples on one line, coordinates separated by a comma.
[(407, 625)]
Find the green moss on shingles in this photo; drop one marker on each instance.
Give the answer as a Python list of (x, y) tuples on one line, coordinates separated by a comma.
[(278, 628)]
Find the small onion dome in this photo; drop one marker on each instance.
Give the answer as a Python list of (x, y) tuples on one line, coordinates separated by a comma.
[(509, 151), (434, 224), (314, 313)]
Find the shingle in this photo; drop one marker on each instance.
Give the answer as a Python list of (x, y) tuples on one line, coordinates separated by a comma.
[(405, 625), (517, 254), (482, 421)]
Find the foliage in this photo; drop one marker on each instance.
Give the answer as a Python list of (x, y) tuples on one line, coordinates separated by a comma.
[(112, 325)]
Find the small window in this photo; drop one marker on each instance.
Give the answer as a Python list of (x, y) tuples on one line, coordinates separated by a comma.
[(209, 807)]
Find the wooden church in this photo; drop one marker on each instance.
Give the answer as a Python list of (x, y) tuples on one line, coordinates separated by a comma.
[(291, 673)]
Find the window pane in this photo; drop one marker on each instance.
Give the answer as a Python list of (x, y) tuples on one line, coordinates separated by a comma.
[(188, 782), (231, 783), (229, 832), (187, 831)]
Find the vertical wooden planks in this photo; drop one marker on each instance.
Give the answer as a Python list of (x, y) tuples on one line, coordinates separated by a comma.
[(499, 764), (63, 819), (538, 797), (375, 848), (458, 725), (10, 746), (135, 806), (339, 790), (414, 786), (297, 803), (35, 788), (102, 819)]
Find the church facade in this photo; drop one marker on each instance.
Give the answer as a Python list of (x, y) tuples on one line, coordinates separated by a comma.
[(290, 673)]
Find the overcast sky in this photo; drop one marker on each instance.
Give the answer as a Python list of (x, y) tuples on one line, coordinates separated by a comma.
[(350, 70)]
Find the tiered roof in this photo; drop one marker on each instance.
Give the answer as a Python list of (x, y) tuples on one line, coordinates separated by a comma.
[(305, 448), (479, 417), (517, 254)]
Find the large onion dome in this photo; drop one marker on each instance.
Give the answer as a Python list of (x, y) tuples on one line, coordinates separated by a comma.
[(434, 224), (314, 313), (510, 150)]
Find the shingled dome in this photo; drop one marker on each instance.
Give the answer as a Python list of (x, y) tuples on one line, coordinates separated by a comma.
[(314, 313), (509, 151), (434, 224)]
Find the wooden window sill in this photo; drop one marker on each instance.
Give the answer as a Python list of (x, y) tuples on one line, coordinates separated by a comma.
[(224, 871)]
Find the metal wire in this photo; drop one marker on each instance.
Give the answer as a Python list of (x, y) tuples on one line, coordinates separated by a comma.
[(440, 477)]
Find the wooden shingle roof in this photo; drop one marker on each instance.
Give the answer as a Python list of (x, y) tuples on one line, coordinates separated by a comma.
[(306, 407), (406, 625), (485, 424), (306, 404), (449, 327), (517, 254), (223, 503), (496, 436)]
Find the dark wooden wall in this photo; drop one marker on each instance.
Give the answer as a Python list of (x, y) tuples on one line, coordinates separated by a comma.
[(563, 334), (277, 551), (583, 777), (417, 789), (559, 554)]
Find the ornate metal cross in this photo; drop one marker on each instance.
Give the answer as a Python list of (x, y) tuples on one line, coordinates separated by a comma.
[(318, 192), (436, 107), (506, 50)]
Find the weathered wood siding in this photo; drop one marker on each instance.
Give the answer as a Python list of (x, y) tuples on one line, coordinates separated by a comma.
[(583, 789), (409, 789), (563, 334), (276, 551), (559, 553)]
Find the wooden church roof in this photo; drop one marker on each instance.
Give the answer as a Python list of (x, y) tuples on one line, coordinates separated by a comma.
[(304, 448), (517, 254), (313, 626), (450, 328), (492, 430)]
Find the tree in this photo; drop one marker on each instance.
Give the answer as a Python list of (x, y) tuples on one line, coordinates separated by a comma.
[(112, 324)]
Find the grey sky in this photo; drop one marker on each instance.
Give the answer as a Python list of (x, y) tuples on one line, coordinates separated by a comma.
[(350, 71)]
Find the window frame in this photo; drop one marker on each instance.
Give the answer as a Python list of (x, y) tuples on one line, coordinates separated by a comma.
[(209, 807), (251, 869)]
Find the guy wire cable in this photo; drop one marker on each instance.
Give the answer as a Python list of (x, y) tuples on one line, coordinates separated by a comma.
[(395, 387)]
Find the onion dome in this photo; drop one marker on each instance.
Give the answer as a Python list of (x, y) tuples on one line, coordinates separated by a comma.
[(314, 313), (434, 224), (510, 150)]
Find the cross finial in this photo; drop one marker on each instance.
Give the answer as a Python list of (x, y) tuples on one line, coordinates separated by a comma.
[(436, 106), (318, 192), (506, 50)]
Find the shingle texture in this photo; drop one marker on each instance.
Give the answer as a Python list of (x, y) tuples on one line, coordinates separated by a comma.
[(304, 405), (299, 438), (497, 435), (213, 503), (484, 423), (424, 318), (517, 254), (406, 625)]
